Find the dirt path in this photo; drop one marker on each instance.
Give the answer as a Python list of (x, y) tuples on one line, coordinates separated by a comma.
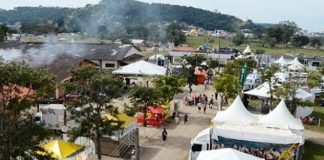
[(316, 137)]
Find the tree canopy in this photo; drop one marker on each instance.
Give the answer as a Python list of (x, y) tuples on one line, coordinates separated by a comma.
[(94, 90), (20, 87)]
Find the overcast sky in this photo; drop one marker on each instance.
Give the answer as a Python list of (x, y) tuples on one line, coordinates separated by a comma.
[(308, 14)]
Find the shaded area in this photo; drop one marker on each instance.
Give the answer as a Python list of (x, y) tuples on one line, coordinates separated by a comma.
[(313, 151)]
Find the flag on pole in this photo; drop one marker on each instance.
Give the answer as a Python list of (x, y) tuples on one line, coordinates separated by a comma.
[(243, 75)]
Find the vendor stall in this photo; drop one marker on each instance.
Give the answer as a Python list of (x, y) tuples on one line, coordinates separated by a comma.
[(200, 76), (155, 116)]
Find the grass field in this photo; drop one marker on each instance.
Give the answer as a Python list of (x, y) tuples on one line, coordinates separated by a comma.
[(318, 113), (195, 42), (313, 151)]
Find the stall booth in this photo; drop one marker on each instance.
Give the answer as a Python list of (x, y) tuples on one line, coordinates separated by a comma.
[(277, 135), (200, 76), (155, 116)]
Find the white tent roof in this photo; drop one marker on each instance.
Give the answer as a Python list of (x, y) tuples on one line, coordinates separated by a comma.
[(281, 61), (295, 61), (296, 66), (225, 154), (247, 49), (260, 91), (303, 95), (141, 68), (280, 117), (282, 76), (257, 133), (203, 136), (236, 113)]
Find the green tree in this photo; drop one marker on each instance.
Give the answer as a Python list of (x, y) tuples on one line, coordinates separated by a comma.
[(95, 90), (228, 86), (168, 86), (142, 97), (20, 87), (174, 34), (189, 73), (299, 41), (314, 79), (267, 75), (259, 51), (289, 28), (315, 42), (238, 39), (4, 32)]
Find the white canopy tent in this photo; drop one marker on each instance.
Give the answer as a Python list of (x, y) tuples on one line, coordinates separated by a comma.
[(257, 133), (282, 76), (260, 91), (141, 68), (226, 154), (264, 91), (236, 113), (302, 112), (281, 61), (295, 65), (247, 50), (280, 117)]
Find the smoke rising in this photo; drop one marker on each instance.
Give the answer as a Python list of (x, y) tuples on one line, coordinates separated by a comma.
[(39, 55)]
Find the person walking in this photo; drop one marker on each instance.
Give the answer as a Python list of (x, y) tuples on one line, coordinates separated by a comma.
[(164, 134), (185, 119), (205, 107), (211, 102)]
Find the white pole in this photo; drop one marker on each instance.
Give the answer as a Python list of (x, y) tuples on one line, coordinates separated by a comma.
[(319, 123)]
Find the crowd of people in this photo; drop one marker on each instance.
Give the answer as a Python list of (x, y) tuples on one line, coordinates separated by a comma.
[(201, 101), (267, 154)]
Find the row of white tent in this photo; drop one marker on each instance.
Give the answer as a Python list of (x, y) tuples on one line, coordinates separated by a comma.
[(263, 91), (294, 65), (278, 127)]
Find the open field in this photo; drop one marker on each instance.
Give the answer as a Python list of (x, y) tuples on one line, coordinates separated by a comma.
[(195, 42)]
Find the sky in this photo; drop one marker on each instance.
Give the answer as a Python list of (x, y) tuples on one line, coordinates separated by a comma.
[(308, 14)]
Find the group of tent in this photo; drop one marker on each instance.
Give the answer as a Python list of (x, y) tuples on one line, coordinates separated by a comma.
[(277, 127), (293, 65), (263, 91)]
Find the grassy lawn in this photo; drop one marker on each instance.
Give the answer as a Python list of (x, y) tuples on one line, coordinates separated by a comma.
[(313, 151), (318, 113), (195, 42)]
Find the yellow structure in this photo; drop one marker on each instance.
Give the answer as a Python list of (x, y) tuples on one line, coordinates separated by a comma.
[(60, 149), (122, 117)]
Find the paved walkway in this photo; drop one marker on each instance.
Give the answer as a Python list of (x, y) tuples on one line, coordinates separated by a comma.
[(316, 137), (179, 135)]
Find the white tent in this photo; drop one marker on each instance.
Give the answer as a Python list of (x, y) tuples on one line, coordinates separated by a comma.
[(303, 95), (226, 154), (264, 91), (202, 137), (281, 61), (141, 68), (295, 61), (280, 117), (260, 91), (296, 65), (247, 50), (302, 112), (282, 76), (236, 113)]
